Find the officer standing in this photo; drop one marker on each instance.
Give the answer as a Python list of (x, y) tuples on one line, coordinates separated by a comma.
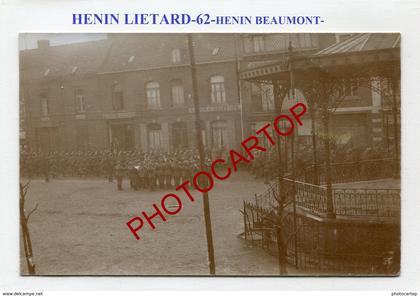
[(119, 170)]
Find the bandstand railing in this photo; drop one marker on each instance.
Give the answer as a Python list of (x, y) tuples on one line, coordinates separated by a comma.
[(379, 203), (367, 218), (351, 171)]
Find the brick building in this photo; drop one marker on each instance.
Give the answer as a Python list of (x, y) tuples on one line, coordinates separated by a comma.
[(59, 86), (147, 102), (130, 91), (364, 115), (133, 91), (261, 50)]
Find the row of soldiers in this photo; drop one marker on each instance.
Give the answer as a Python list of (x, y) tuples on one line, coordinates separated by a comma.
[(265, 164), (67, 164), (165, 170), (153, 169)]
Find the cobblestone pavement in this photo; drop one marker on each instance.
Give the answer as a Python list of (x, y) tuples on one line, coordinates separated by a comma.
[(79, 229)]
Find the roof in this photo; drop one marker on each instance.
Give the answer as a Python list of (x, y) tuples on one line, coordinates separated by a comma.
[(154, 50), (123, 52), (374, 46), (363, 42), (56, 61)]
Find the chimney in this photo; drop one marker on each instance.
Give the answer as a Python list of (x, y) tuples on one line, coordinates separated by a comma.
[(43, 44)]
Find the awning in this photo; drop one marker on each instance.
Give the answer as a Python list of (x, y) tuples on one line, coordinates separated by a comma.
[(358, 50)]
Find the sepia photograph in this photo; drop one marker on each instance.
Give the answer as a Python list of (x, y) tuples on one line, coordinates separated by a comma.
[(210, 154)]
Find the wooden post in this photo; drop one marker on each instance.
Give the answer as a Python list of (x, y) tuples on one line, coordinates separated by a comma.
[(315, 178), (330, 203), (281, 248), (206, 204)]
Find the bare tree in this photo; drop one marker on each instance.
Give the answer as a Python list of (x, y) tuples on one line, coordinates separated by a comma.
[(24, 219)]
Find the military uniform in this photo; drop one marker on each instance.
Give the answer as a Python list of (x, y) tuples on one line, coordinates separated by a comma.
[(151, 173), (177, 173), (167, 174), (142, 175), (119, 171), (133, 176), (160, 172)]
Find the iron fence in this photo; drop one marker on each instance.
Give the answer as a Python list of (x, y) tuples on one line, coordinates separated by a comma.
[(334, 245), (351, 171), (379, 203)]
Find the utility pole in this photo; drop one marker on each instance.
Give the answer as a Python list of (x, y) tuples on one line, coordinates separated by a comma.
[(206, 204), (292, 95), (238, 85), (281, 246)]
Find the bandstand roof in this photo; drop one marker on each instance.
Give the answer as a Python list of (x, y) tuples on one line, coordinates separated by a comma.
[(358, 50), (363, 42)]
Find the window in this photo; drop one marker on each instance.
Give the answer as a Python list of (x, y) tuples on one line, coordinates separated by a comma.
[(351, 87), (306, 41), (45, 110), (177, 93), (267, 97), (262, 97), (179, 135), (117, 97), (258, 43), (218, 94), (219, 134), (80, 98), (153, 95), (176, 56), (121, 136), (155, 136)]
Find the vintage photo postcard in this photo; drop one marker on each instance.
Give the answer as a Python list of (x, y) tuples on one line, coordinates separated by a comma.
[(228, 154)]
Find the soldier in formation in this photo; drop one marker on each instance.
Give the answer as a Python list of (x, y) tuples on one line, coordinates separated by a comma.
[(145, 170)]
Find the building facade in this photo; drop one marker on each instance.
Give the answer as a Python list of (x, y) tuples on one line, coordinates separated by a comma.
[(259, 50), (130, 92), (364, 114), (134, 91)]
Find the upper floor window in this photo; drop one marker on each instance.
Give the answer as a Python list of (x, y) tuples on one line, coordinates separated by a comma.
[(262, 97), (45, 110), (351, 87), (306, 40), (80, 99), (258, 43), (267, 97), (348, 88), (218, 94), (176, 56), (177, 93), (117, 97), (153, 94)]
